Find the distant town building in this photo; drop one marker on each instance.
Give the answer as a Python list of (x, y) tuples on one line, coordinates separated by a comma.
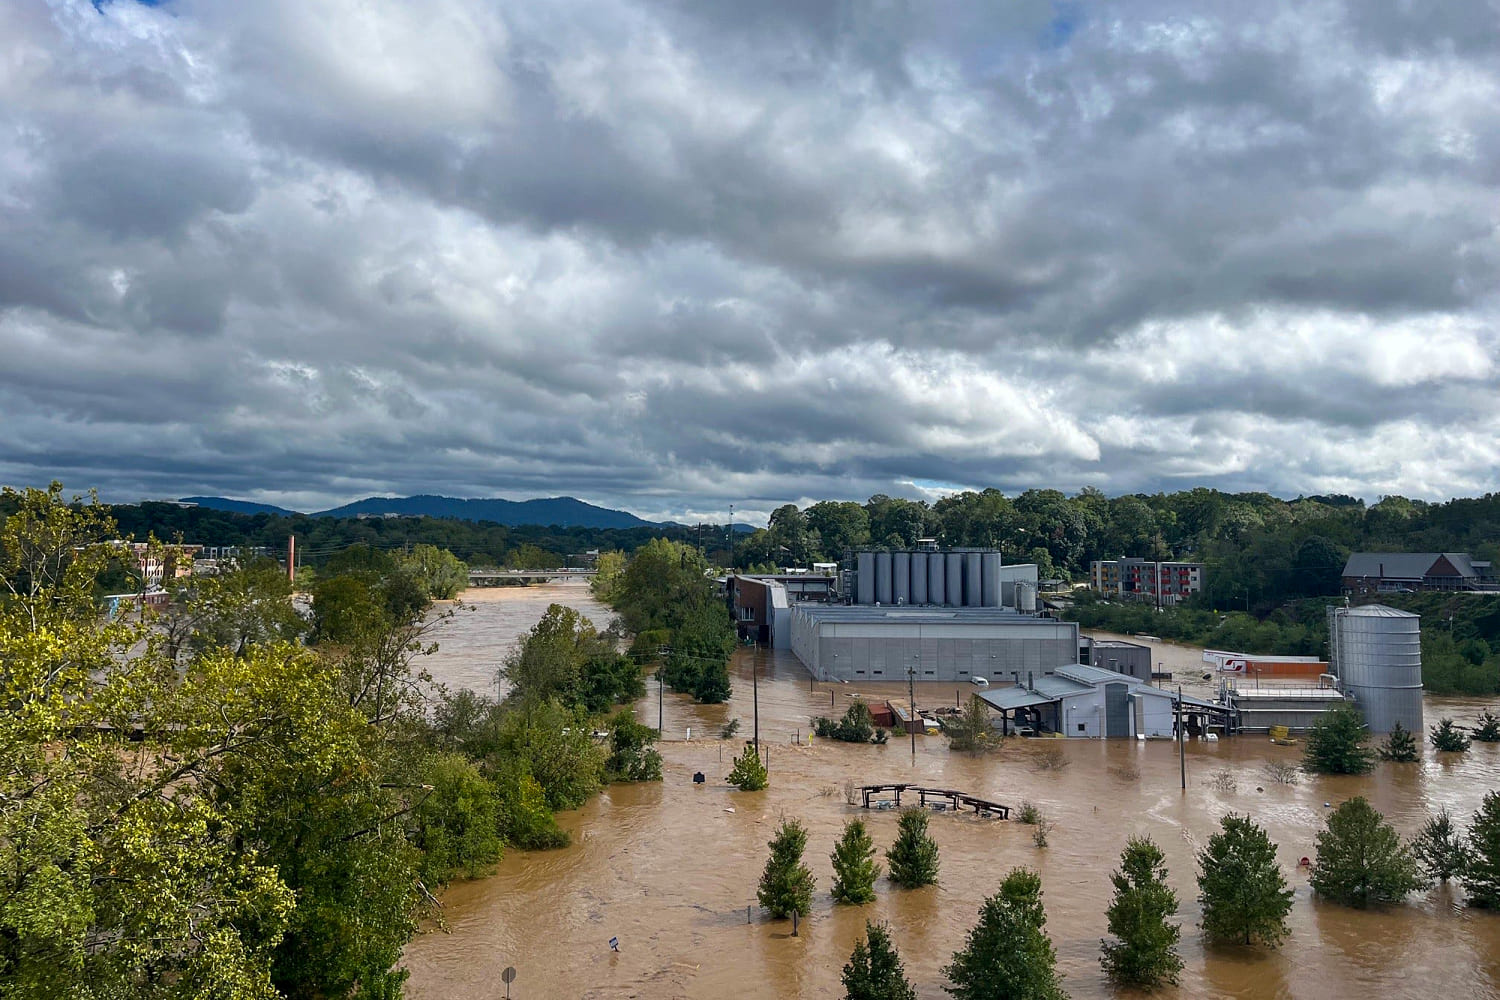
[(1151, 580), (1410, 572)]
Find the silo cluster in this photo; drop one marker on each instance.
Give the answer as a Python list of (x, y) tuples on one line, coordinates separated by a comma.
[(967, 578), (1376, 652)]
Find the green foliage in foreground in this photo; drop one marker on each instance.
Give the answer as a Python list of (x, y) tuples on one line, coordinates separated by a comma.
[(854, 867), (1144, 952), (1243, 894), (1008, 953), (1335, 744), (1486, 728), (857, 725), (1481, 875), (749, 774), (1439, 847), (874, 971), (786, 885), (1448, 737), (913, 857), (1361, 860)]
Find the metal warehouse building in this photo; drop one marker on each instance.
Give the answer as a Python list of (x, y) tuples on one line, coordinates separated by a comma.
[(859, 642)]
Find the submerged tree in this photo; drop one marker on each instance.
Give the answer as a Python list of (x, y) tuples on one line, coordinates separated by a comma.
[(972, 732), (1400, 746), (1008, 953), (1446, 736), (854, 867), (1440, 848), (857, 725), (786, 885), (749, 774), (1361, 860), (1244, 896), (1487, 728), (1145, 952), (1481, 876), (913, 858), (1335, 744), (631, 755), (874, 971)]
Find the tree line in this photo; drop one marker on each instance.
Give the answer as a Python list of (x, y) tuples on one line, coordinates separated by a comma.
[(1243, 895), (255, 794)]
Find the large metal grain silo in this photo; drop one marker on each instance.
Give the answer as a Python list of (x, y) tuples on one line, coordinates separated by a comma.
[(973, 585), (1025, 597), (1378, 658), (954, 583), (865, 586), (936, 570), (901, 577), (919, 577), (882, 578), (989, 579)]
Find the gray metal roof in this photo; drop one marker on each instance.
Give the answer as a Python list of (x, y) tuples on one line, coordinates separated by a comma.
[(918, 615), (1011, 698), (1404, 565), (1378, 611), (1094, 676)]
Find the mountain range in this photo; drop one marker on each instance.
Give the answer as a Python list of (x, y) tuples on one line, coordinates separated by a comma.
[(567, 512)]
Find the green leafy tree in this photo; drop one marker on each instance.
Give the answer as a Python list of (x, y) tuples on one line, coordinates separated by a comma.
[(786, 885), (854, 867), (1361, 860), (857, 725), (972, 732), (440, 574), (1144, 953), (1481, 875), (607, 570), (662, 584), (1448, 737), (1008, 953), (455, 825), (913, 857), (1400, 746), (749, 774), (875, 971), (631, 755), (1335, 744), (701, 647), (557, 746), (1439, 847), (1243, 894), (1487, 728), (525, 818)]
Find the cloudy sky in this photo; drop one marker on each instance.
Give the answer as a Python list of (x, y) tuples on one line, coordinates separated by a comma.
[(680, 254)]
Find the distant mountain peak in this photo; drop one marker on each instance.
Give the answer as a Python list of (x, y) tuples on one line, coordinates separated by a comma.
[(564, 512)]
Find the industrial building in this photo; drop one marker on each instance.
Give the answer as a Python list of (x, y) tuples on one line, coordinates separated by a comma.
[(856, 642), (1094, 703), (1117, 656), (760, 603), (1376, 654), (1162, 583)]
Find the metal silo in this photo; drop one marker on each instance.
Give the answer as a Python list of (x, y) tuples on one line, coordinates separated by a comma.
[(954, 573), (935, 572), (989, 577), (973, 587), (919, 578), (1025, 597), (901, 570), (1378, 659), (865, 585), (882, 578)]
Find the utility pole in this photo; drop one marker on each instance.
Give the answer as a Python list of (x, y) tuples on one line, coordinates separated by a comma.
[(755, 697), (911, 704), (730, 539), (1181, 740), (660, 732)]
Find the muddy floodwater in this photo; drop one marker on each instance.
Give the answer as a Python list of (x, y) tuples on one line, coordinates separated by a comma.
[(669, 869)]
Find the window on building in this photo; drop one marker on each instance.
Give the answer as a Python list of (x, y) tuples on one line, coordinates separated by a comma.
[(1082, 728)]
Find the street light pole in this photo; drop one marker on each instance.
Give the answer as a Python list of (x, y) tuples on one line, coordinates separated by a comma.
[(911, 704)]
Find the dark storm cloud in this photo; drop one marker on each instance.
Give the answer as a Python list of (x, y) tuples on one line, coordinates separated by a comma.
[(672, 255)]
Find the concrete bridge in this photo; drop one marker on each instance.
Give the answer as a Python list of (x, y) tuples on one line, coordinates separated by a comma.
[(499, 577)]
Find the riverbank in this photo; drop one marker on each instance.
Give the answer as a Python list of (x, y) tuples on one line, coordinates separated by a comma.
[(669, 869)]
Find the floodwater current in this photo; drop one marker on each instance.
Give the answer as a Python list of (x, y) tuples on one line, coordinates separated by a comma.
[(670, 868)]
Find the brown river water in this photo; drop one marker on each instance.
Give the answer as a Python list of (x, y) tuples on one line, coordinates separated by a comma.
[(670, 868)]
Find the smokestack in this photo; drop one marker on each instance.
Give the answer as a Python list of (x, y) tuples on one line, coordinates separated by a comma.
[(291, 558)]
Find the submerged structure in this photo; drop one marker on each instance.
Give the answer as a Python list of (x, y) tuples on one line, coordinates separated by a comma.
[(1376, 653)]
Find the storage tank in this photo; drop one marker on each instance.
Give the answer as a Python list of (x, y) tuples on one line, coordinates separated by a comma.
[(1378, 658), (989, 578), (954, 581), (973, 589), (1025, 598), (919, 578), (882, 578), (901, 569), (935, 571), (865, 583)]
